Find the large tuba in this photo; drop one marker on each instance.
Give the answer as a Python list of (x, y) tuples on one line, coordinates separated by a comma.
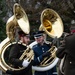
[(52, 24), (18, 20)]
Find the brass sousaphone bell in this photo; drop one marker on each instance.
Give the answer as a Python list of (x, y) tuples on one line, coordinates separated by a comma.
[(18, 20), (52, 24)]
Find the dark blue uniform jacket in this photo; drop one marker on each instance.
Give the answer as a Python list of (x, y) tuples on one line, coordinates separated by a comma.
[(38, 51)]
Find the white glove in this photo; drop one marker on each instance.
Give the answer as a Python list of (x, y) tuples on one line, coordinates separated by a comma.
[(25, 63)]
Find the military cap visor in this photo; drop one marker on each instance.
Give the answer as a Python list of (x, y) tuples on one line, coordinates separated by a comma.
[(38, 34)]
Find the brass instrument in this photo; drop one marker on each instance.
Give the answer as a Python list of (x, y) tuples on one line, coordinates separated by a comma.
[(47, 59), (18, 20), (61, 66), (27, 54), (52, 24)]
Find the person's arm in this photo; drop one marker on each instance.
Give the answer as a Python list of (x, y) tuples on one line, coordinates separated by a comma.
[(13, 56), (15, 61), (39, 59), (61, 51), (20, 71)]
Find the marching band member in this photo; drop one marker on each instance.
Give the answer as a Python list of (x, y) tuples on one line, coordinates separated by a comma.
[(67, 49), (16, 52), (40, 52)]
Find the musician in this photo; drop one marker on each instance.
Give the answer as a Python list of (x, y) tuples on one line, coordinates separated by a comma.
[(40, 53), (67, 49), (16, 52)]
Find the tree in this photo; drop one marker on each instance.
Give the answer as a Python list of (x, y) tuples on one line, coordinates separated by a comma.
[(65, 8), (2, 19), (34, 8)]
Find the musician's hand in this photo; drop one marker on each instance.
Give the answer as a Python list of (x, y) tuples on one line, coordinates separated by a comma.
[(46, 54), (25, 63)]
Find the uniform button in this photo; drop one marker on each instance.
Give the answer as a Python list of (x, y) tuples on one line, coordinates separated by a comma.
[(70, 62), (43, 51), (42, 48)]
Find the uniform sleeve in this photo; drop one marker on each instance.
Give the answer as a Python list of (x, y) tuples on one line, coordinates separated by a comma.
[(20, 72), (61, 51), (38, 55), (38, 59), (13, 56)]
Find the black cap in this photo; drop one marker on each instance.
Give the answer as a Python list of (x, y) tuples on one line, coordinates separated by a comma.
[(21, 33), (38, 34)]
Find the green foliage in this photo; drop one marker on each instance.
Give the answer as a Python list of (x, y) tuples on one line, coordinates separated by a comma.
[(2, 22), (65, 9), (2, 30)]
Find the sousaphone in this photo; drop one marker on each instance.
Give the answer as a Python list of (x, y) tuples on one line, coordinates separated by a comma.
[(52, 24), (18, 20)]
